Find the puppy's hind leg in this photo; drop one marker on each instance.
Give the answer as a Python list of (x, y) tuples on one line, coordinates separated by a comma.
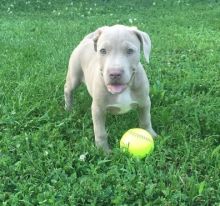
[(73, 79)]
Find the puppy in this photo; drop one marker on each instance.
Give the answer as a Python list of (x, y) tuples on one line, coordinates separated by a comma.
[(108, 62)]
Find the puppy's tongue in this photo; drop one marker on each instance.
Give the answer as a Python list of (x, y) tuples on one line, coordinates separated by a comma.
[(116, 88)]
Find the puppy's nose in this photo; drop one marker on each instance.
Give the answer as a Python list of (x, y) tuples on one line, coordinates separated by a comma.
[(115, 73)]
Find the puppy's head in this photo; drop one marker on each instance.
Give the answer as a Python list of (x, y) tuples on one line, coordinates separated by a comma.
[(118, 48)]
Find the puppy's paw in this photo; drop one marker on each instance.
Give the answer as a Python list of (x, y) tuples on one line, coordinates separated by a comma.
[(152, 132), (104, 146), (68, 104), (68, 107)]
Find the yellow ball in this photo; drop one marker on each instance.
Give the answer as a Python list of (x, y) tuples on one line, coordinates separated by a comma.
[(137, 142)]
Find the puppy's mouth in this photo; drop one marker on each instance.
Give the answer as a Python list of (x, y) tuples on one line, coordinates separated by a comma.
[(116, 88)]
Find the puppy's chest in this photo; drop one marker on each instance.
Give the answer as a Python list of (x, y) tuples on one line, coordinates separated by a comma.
[(122, 103)]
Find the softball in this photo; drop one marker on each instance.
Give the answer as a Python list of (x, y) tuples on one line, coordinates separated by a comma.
[(138, 142)]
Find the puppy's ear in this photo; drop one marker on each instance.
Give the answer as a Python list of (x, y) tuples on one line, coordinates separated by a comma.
[(96, 36), (145, 42)]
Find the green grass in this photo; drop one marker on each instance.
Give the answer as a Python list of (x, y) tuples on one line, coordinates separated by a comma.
[(41, 144)]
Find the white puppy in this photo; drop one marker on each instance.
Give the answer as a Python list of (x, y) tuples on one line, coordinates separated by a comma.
[(108, 61)]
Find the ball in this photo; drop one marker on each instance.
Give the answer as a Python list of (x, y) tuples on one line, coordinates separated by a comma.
[(138, 142)]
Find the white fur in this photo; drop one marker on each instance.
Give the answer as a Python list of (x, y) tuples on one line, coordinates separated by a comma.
[(123, 102)]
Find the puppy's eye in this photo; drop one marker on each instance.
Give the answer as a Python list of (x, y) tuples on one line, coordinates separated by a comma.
[(103, 51), (130, 51)]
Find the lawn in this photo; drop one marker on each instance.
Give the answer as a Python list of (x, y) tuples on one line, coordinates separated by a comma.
[(41, 144)]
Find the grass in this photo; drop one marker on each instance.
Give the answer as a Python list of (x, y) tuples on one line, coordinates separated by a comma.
[(41, 144)]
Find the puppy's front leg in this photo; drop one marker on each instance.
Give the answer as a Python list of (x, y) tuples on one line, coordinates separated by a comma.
[(73, 78), (145, 117), (99, 117)]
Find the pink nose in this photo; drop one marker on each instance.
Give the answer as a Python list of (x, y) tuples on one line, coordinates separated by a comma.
[(115, 73)]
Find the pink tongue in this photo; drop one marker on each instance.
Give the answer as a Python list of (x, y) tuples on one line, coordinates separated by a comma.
[(114, 89)]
